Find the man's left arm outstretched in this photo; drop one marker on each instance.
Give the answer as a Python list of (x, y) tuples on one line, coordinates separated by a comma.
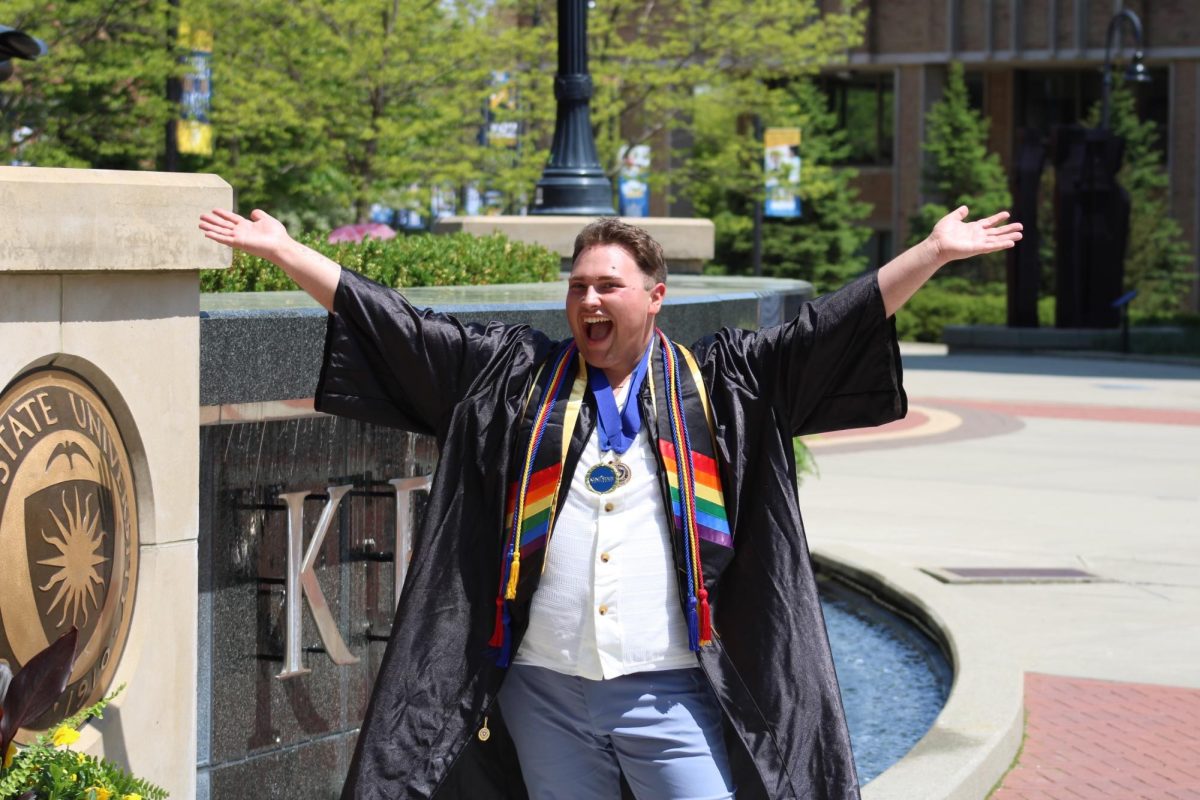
[(952, 238)]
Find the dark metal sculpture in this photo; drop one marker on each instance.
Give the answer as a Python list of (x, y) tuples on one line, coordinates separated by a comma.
[(573, 182), (1092, 223), (1024, 266), (1091, 208)]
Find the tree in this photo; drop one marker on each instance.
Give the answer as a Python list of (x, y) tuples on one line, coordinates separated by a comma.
[(650, 60), (1159, 263), (825, 245), (959, 169), (98, 98), (325, 106), (322, 107)]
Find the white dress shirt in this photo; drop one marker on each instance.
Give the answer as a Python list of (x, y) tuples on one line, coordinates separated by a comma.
[(607, 603)]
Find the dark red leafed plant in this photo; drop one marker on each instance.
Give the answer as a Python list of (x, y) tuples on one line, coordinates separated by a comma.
[(34, 689)]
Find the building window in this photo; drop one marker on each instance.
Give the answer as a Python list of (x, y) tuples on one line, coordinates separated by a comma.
[(865, 110), (1048, 98)]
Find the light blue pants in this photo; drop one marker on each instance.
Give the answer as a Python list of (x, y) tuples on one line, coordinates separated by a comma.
[(575, 736)]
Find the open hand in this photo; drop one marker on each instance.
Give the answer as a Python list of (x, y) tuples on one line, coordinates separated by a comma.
[(261, 235), (954, 238)]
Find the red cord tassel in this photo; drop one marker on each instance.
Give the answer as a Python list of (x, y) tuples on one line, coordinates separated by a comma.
[(705, 618), (497, 639)]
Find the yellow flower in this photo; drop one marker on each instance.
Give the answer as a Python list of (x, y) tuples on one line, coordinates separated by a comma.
[(11, 753), (64, 736), (132, 796), (101, 792)]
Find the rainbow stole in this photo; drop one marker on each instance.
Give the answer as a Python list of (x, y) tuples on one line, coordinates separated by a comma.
[(696, 498)]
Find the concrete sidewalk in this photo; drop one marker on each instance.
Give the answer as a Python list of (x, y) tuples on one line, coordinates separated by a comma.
[(1020, 463)]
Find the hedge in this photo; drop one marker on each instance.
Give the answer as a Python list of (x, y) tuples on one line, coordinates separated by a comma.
[(934, 307), (457, 259)]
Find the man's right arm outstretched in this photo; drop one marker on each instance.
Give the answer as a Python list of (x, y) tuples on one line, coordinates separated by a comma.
[(263, 235)]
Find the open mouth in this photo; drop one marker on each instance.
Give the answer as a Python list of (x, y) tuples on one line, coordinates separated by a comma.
[(598, 328)]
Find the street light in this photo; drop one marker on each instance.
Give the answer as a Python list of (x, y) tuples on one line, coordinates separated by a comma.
[(17, 44), (1136, 71), (573, 182)]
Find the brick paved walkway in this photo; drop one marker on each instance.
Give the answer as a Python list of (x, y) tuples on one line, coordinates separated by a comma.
[(1100, 739)]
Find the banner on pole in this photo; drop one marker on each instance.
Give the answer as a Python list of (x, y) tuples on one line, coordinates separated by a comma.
[(193, 129), (632, 189), (781, 168)]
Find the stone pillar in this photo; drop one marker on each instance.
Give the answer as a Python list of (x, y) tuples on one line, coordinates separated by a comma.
[(99, 445)]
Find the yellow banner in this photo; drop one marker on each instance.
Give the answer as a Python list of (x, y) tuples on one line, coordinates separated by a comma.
[(781, 137), (194, 137)]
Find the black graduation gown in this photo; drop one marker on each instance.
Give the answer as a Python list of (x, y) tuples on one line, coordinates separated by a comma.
[(835, 365)]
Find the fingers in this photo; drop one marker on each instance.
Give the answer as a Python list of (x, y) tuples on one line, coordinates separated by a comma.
[(993, 219), (215, 222), (1003, 242), (1014, 226), (217, 236), (219, 226), (228, 215), (257, 214)]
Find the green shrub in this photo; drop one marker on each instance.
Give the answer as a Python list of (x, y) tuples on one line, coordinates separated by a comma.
[(457, 259), (934, 307), (48, 769)]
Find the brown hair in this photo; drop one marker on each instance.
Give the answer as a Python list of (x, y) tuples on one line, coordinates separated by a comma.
[(646, 253)]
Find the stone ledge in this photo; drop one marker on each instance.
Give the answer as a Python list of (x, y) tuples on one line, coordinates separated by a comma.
[(687, 242), (80, 220)]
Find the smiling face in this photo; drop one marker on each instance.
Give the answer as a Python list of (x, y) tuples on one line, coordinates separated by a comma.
[(611, 308)]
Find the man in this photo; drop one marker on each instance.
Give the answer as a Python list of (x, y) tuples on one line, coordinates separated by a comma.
[(611, 579)]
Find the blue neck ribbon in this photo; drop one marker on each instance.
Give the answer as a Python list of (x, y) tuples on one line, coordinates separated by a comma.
[(618, 430)]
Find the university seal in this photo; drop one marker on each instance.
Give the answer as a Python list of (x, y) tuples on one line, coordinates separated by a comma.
[(68, 531)]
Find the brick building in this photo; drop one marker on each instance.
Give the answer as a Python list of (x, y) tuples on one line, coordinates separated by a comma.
[(1029, 64)]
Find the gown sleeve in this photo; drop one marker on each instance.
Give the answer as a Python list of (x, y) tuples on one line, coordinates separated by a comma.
[(835, 365), (389, 363)]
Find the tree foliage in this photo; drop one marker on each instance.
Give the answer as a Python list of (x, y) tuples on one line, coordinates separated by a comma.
[(825, 245), (1159, 263), (322, 106), (650, 59), (959, 169), (98, 99)]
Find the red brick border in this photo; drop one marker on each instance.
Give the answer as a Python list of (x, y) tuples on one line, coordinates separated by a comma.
[(1101, 739)]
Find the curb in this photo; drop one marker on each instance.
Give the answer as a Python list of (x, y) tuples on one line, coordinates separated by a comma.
[(973, 741)]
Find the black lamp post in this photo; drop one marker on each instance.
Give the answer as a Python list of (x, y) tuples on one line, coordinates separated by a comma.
[(573, 183), (1136, 71), (17, 44)]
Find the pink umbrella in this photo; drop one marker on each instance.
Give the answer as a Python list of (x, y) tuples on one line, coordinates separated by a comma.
[(356, 233)]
